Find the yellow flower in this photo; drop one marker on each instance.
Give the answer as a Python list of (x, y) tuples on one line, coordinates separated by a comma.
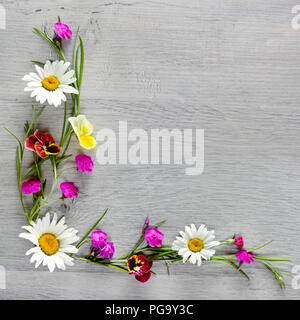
[(83, 130)]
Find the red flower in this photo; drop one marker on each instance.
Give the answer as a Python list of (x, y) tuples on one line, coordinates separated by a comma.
[(238, 241), (43, 144), (140, 267)]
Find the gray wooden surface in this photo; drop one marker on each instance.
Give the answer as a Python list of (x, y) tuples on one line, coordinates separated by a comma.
[(229, 67)]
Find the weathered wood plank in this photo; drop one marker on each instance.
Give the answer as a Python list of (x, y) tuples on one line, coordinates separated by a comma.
[(228, 67)]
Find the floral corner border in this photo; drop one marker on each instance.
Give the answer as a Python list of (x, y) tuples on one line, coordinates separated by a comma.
[(56, 244)]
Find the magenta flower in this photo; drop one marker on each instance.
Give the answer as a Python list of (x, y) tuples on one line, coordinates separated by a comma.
[(63, 31), (31, 186), (108, 251), (98, 239), (238, 241), (154, 237), (244, 257), (69, 190), (84, 163)]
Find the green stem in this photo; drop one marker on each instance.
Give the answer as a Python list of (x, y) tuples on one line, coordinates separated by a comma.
[(91, 229), (65, 169), (108, 264), (54, 182), (257, 248), (64, 124)]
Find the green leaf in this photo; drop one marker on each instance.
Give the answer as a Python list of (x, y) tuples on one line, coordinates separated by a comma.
[(91, 229), (18, 140), (47, 39), (38, 62), (234, 266), (168, 269), (36, 204), (159, 224), (30, 171), (34, 118), (60, 159), (260, 246), (43, 186), (81, 62), (276, 274), (18, 165), (64, 124), (270, 259)]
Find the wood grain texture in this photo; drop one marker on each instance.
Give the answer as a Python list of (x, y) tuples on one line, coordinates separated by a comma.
[(229, 67)]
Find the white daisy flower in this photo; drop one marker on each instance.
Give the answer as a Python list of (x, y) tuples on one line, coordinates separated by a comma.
[(193, 244), (53, 241), (51, 82)]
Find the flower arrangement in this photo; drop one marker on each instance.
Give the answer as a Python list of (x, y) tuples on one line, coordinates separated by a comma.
[(57, 245)]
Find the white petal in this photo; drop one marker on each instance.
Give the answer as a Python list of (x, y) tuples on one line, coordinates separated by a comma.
[(69, 240), (62, 68), (59, 262), (207, 253), (69, 81), (193, 258), (68, 89), (40, 72), (37, 257), (193, 231), (182, 251), (188, 231), (60, 94), (68, 249), (212, 244), (56, 99), (209, 237), (34, 84), (199, 259), (66, 76), (184, 236), (39, 260), (30, 237), (66, 258), (186, 256), (51, 264), (29, 88), (33, 250)]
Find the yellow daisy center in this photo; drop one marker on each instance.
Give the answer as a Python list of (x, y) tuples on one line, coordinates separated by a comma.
[(50, 83), (49, 244), (196, 245)]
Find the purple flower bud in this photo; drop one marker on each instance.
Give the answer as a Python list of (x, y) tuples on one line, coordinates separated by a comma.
[(146, 225)]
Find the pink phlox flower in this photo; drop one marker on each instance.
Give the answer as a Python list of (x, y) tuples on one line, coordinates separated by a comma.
[(154, 237), (69, 190), (31, 186), (98, 238), (108, 251), (84, 163), (63, 30)]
